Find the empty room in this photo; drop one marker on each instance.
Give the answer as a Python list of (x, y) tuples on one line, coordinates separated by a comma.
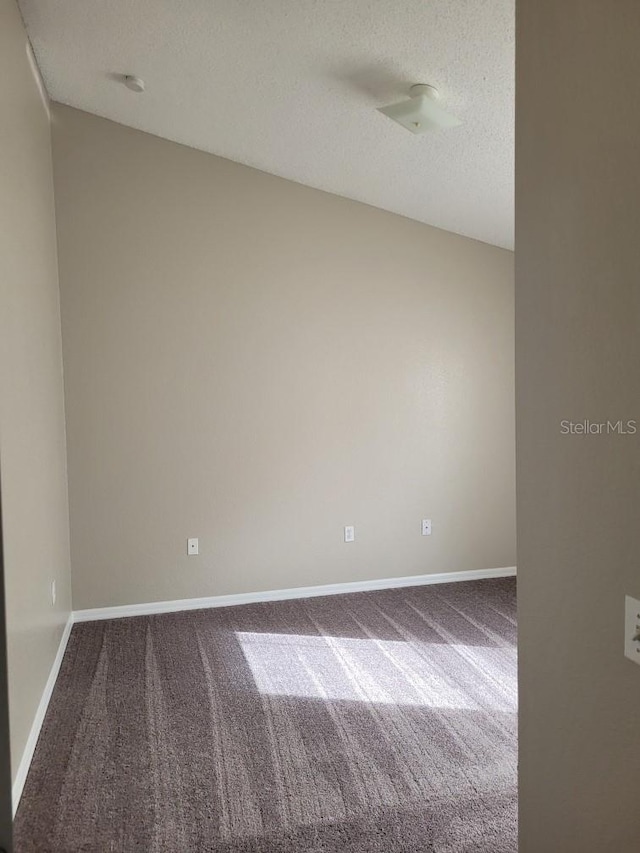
[(265, 350)]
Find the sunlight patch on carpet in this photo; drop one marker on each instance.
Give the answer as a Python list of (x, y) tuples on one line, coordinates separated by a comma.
[(388, 672)]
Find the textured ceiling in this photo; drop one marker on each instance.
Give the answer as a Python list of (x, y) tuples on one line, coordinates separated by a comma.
[(291, 87)]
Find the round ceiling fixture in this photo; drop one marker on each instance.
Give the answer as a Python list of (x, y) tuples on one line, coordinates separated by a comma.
[(424, 89), (136, 84)]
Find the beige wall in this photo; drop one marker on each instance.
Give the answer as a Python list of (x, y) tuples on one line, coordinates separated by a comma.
[(32, 434), (578, 357), (258, 364)]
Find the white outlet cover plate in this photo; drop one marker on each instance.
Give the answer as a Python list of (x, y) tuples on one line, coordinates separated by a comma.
[(349, 534), (426, 527), (192, 547), (631, 628)]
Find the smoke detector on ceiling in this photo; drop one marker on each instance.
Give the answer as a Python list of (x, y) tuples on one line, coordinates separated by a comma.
[(134, 83), (421, 112)]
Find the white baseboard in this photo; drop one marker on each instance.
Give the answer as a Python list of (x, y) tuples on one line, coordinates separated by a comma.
[(124, 610), (34, 734)]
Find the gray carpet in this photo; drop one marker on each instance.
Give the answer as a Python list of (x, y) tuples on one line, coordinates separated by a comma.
[(381, 722)]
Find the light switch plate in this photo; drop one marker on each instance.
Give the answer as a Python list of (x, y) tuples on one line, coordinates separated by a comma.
[(349, 534), (632, 628), (426, 527), (192, 547)]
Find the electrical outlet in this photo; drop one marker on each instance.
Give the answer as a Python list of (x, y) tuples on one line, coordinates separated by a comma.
[(53, 593), (192, 547), (349, 534), (632, 629), (426, 527)]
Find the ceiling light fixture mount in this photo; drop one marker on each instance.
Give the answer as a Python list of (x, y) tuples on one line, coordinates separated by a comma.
[(421, 112)]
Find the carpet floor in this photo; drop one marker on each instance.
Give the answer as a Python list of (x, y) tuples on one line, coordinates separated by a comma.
[(379, 722)]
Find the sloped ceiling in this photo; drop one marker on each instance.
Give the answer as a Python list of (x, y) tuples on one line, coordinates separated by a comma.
[(291, 87)]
